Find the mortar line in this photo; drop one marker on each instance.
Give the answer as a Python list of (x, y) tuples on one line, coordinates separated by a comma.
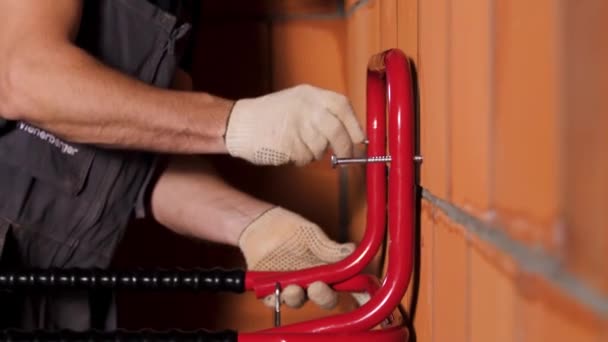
[(353, 8), (529, 260)]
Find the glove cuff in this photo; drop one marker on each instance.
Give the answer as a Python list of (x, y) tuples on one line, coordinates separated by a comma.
[(253, 228), (239, 130), (264, 235)]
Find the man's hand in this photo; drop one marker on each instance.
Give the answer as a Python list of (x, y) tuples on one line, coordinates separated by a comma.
[(280, 240), (294, 125)]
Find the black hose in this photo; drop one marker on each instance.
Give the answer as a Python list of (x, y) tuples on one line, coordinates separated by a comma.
[(118, 336), (194, 280)]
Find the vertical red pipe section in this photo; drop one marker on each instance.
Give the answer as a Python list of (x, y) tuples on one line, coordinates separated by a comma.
[(389, 77)]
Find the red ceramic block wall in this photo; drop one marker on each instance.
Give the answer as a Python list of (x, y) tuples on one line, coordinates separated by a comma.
[(513, 227)]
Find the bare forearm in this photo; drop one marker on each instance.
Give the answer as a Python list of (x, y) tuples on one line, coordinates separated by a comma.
[(190, 199), (73, 95)]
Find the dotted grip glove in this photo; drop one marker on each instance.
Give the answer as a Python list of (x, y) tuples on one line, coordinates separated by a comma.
[(280, 240), (294, 125)]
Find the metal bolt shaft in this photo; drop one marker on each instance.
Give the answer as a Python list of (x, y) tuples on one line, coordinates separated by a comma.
[(335, 161), (277, 305)]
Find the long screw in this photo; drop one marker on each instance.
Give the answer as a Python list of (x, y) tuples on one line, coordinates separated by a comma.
[(335, 161)]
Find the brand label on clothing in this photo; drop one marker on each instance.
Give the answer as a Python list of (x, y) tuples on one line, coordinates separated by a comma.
[(64, 147)]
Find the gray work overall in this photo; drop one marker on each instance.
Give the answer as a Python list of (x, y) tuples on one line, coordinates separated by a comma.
[(64, 204)]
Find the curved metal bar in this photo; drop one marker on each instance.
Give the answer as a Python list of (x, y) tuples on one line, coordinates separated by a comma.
[(361, 283), (389, 76)]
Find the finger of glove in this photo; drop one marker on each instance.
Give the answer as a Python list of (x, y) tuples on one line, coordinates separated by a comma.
[(335, 132), (292, 296), (340, 106), (361, 297), (322, 295), (316, 142), (301, 154), (327, 249)]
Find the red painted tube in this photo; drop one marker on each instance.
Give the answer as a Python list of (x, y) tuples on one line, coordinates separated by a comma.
[(393, 334), (361, 283), (390, 68), (263, 283)]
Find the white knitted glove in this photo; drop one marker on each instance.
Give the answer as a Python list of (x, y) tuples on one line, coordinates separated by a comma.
[(280, 240), (293, 125)]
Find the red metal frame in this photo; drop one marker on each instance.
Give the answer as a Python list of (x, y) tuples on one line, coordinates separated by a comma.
[(389, 84)]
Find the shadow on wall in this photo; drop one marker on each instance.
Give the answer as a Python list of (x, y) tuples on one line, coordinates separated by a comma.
[(415, 282)]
